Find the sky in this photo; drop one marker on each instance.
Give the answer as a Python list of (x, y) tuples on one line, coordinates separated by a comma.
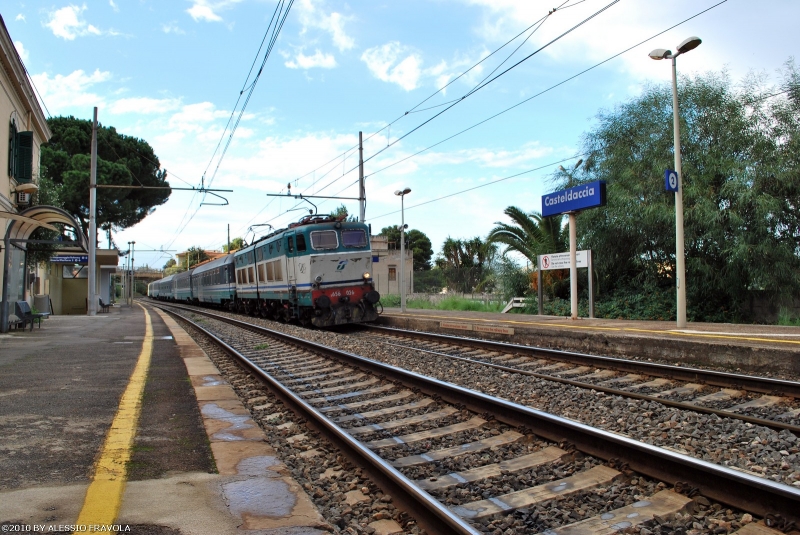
[(175, 73)]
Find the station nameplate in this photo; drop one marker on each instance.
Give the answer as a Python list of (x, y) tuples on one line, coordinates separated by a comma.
[(493, 329), (458, 326), (455, 325)]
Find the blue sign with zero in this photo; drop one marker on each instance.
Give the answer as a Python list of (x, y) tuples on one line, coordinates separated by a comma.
[(671, 180), (574, 199)]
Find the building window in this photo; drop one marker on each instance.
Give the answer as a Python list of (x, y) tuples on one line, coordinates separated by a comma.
[(392, 273)]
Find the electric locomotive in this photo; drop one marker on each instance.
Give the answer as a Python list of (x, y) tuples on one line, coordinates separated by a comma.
[(317, 271)]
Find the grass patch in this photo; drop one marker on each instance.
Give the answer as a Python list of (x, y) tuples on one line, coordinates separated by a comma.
[(786, 319), (448, 303), (262, 346)]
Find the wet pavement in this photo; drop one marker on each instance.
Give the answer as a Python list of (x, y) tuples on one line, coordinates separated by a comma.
[(198, 463)]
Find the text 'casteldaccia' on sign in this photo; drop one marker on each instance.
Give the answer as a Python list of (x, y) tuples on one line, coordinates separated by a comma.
[(574, 199)]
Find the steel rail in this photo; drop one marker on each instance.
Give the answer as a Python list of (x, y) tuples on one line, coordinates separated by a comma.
[(764, 385), (429, 512), (771, 424), (732, 487)]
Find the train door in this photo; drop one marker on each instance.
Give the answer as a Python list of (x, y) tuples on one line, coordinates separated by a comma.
[(291, 277)]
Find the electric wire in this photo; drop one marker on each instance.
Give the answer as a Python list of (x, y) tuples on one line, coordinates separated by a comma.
[(544, 91), (275, 25)]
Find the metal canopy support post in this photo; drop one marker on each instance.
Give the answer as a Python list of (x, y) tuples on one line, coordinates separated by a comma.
[(91, 308), (4, 313)]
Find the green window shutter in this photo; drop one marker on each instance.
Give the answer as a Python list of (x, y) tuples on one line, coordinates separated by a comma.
[(23, 166), (12, 138)]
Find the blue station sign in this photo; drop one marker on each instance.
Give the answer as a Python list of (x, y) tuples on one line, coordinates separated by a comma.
[(581, 197), (72, 259)]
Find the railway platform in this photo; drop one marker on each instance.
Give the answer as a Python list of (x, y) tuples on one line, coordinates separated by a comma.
[(749, 348), (121, 422)]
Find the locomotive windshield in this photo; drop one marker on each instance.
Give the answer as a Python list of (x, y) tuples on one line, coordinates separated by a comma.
[(354, 238), (324, 239)]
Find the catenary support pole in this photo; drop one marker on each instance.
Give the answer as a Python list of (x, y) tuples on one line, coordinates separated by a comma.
[(362, 191), (91, 309)]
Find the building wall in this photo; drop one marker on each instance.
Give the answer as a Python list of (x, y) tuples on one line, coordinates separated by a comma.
[(386, 267), (18, 103)]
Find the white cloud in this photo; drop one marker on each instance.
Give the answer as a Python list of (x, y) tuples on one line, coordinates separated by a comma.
[(20, 17), (143, 105), (312, 15), (385, 63), (205, 10), (63, 94), (68, 24), (23, 54), (172, 28), (113, 5), (301, 61)]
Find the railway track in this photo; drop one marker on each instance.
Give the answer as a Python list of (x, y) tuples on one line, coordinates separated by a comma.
[(466, 462), (772, 403)]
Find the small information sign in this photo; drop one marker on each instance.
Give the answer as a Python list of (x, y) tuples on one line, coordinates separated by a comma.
[(671, 180), (71, 259), (561, 260)]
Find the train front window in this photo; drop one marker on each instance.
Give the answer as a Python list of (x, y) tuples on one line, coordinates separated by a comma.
[(301, 243), (354, 238), (324, 239)]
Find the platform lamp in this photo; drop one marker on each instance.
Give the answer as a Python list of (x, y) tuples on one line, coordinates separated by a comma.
[(680, 259), (402, 195)]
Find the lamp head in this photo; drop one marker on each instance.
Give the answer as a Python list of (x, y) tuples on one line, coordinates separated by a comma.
[(689, 44), (660, 53), (404, 192)]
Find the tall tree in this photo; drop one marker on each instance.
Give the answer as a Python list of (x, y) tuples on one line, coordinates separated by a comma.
[(467, 264), (195, 255), (342, 211), (122, 160), (236, 244), (416, 241), (530, 234), (741, 191)]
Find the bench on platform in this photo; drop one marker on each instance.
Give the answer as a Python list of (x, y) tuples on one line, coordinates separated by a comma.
[(103, 306), (25, 315)]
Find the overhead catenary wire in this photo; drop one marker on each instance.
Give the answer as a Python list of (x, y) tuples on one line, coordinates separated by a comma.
[(273, 30), (562, 82)]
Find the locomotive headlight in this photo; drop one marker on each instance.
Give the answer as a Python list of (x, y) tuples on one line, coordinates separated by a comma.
[(366, 275), (318, 278)]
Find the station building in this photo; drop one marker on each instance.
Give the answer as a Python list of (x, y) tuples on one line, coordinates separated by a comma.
[(386, 267), (62, 281)]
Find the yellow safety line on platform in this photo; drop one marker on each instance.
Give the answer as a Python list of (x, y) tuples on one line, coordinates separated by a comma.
[(619, 329), (104, 495)]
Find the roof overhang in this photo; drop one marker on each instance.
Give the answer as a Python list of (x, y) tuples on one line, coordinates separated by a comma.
[(24, 223)]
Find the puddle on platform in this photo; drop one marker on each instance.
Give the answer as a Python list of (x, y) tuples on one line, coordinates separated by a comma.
[(260, 497), (258, 466), (238, 422), (210, 380)]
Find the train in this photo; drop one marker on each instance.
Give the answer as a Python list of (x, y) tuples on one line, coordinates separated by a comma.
[(317, 271)]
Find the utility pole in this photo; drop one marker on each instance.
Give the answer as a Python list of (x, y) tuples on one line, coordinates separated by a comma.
[(133, 246), (92, 298), (229, 238), (362, 192)]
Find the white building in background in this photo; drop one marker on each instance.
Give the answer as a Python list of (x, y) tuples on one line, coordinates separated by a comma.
[(22, 132), (386, 267)]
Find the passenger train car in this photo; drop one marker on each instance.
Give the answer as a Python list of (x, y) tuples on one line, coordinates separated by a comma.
[(317, 271)]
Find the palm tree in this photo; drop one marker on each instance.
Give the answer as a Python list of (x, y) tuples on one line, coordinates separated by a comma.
[(531, 234)]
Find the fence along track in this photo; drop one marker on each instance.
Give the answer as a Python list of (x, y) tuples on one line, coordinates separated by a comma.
[(361, 394), (675, 386)]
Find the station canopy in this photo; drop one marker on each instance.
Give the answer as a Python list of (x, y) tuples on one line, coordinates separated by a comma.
[(24, 223)]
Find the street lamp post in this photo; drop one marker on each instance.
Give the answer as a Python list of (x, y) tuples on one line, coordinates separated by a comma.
[(680, 259), (133, 247), (402, 195)]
